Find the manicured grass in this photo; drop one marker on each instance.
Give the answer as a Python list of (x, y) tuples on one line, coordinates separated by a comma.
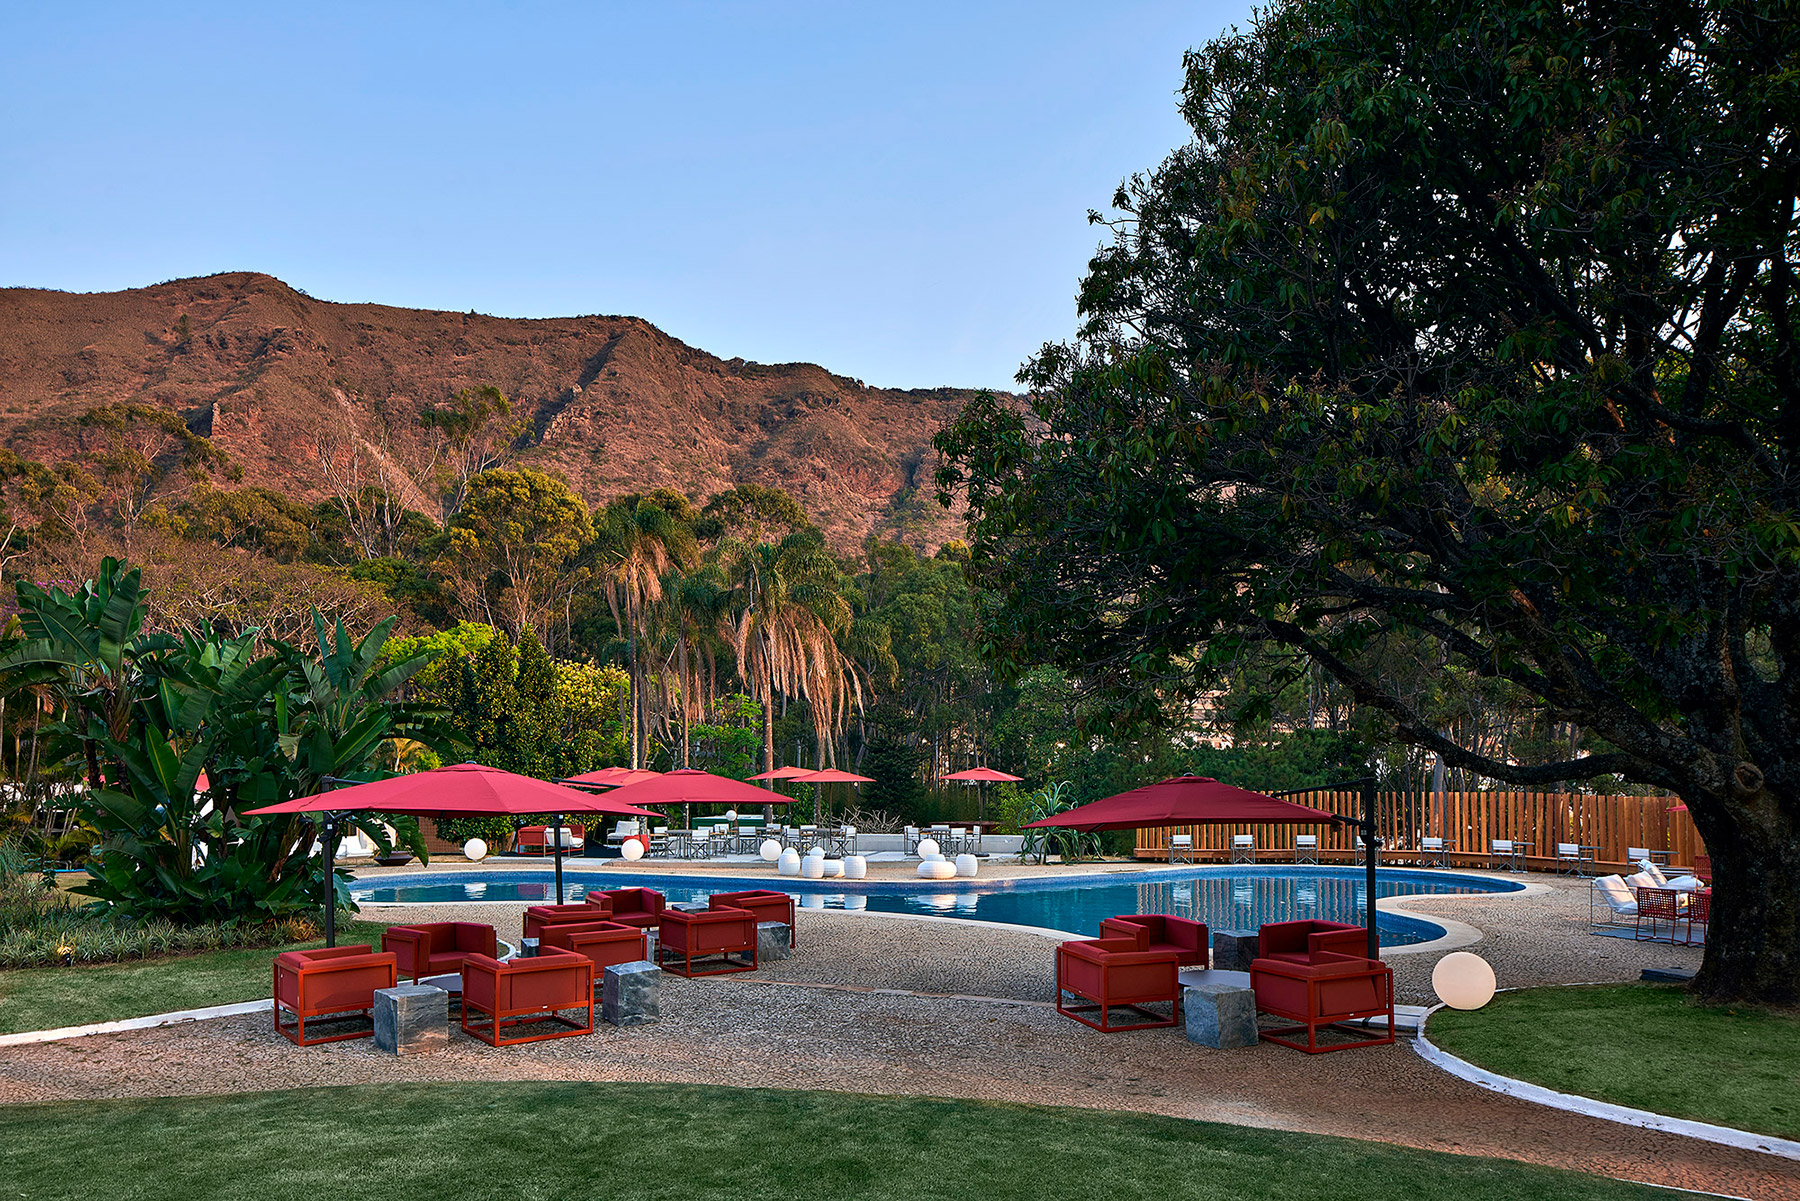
[(44, 998), (1643, 1045), (527, 1142)]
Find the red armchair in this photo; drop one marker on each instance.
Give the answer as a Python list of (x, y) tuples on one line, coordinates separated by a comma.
[(606, 944), (767, 905), (331, 983), (1330, 990), (1303, 941), (705, 942), (539, 917), (523, 992), (437, 948), (1112, 973), (642, 907), (1190, 940)]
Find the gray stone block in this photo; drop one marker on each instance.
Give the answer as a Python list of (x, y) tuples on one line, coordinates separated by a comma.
[(412, 1019), (1233, 949), (630, 995), (772, 941), (1220, 1015)]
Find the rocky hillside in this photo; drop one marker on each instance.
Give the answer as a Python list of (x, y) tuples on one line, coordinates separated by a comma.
[(612, 403)]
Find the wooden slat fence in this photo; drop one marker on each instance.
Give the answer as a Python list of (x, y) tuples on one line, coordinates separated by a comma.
[(1467, 821)]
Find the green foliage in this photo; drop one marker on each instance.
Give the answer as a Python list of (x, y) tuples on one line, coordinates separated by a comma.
[(496, 831), (520, 710), (1072, 845), (895, 768)]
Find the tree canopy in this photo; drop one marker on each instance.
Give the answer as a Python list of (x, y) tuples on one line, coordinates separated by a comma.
[(1458, 333)]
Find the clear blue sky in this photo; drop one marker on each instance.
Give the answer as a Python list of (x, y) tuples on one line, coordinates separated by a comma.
[(897, 191)]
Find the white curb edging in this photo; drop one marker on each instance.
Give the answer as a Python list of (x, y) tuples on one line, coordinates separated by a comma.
[(1623, 1114), (145, 1023)]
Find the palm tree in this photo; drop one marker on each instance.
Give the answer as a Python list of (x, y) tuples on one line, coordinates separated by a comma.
[(641, 539), (693, 608), (786, 619)]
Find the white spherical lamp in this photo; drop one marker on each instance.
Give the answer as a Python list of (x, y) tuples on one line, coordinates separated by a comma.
[(731, 815), (967, 865), (475, 850), (631, 849), (789, 862), (929, 847), (770, 850), (816, 853), (1463, 980)]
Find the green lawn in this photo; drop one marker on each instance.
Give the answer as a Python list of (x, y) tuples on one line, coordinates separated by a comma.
[(527, 1142), (1642, 1045), (44, 998)]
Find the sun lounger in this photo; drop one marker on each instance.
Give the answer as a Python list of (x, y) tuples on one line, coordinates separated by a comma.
[(1615, 897)]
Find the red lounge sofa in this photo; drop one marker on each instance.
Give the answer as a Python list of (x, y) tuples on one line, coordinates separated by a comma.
[(1190, 940), (1303, 941), (768, 906), (520, 992), (1330, 990), (437, 948), (704, 942), (1112, 973), (539, 917), (640, 907), (606, 944), (330, 982)]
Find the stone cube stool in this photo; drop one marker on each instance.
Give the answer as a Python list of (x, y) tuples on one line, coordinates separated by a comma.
[(772, 941), (631, 994), (1232, 950), (412, 1019), (1220, 1015)]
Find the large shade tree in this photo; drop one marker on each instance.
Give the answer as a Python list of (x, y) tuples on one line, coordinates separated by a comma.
[(1463, 325)]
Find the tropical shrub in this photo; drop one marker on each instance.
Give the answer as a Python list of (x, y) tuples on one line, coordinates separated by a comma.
[(1072, 845)]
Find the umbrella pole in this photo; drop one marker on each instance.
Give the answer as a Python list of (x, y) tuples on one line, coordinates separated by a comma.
[(1371, 852), (330, 824), (559, 840)]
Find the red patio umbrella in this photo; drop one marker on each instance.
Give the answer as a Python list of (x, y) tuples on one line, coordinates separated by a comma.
[(460, 789), (690, 786), (979, 776), (1183, 801), (1203, 801), (830, 775), (610, 777), (782, 773)]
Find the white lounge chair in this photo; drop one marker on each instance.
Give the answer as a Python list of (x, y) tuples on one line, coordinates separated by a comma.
[(1612, 894), (1243, 848), (1433, 850), (1306, 848)]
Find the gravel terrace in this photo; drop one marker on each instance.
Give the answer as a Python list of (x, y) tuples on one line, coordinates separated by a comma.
[(814, 1021)]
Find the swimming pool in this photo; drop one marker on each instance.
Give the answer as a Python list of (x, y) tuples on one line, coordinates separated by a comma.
[(1225, 898)]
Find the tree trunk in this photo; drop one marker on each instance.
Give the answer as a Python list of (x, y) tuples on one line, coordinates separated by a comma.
[(1753, 935)]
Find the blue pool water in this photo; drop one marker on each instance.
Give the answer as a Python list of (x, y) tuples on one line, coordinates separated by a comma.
[(1225, 898)]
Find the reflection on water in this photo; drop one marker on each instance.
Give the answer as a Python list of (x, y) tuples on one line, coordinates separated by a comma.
[(1239, 900)]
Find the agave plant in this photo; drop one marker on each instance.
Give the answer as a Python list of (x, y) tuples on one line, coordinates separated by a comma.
[(1043, 842)]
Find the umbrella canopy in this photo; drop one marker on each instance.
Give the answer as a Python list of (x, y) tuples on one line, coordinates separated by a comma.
[(831, 775), (689, 786), (782, 773), (1183, 801), (610, 777), (983, 775), (464, 788)]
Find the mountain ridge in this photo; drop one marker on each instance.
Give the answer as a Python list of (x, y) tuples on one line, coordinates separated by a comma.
[(282, 381)]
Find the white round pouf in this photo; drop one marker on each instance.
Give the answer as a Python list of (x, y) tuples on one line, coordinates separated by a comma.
[(631, 849), (770, 850), (789, 862), (816, 853), (833, 867), (475, 850), (856, 867), (813, 867), (929, 847), (967, 865), (937, 869), (1463, 980)]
